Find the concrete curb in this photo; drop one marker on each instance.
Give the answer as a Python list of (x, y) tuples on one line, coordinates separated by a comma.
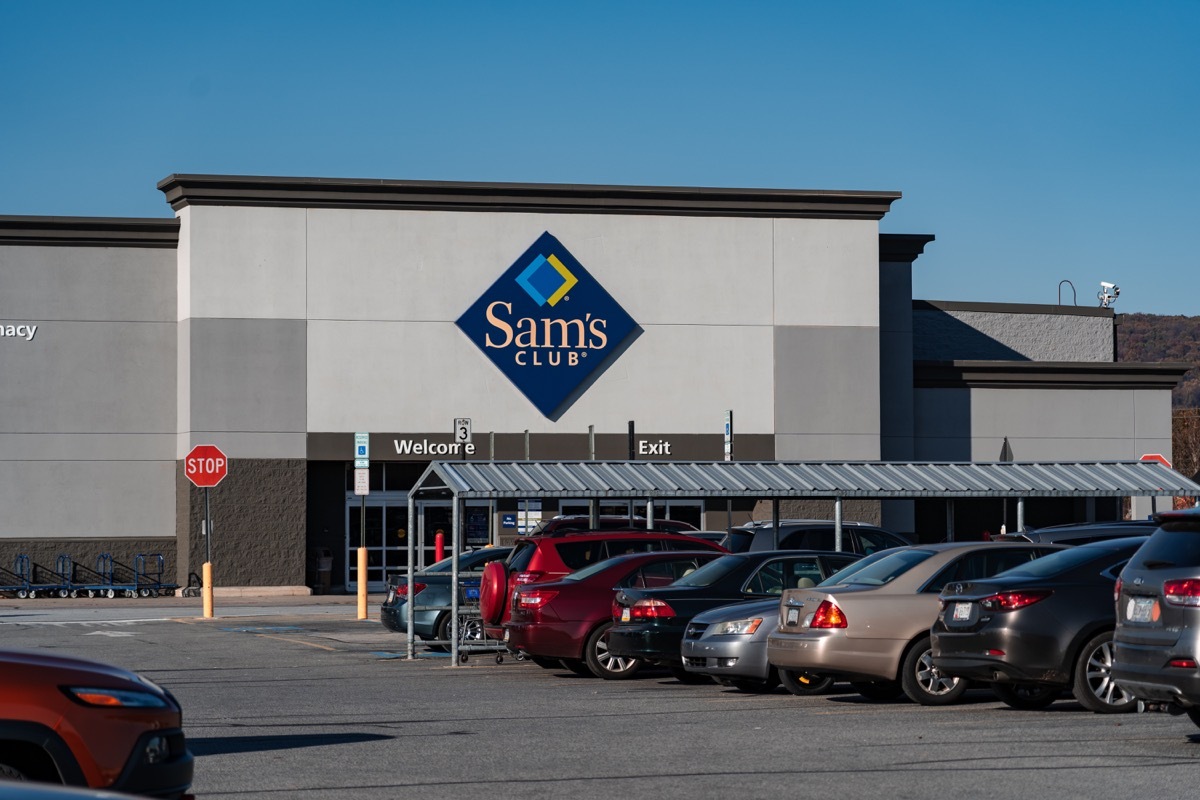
[(261, 591)]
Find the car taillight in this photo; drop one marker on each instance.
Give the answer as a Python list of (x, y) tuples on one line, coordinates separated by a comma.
[(1182, 663), (828, 615), (529, 577), (1184, 592), (402, 589), (1011, 601), (534, 598), (649, 608), (1117, 589)]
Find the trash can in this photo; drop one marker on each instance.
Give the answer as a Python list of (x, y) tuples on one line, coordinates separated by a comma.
[(320, 569)]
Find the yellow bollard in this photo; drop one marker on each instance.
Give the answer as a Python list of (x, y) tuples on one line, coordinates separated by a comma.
[(362, 583), (208, 590)]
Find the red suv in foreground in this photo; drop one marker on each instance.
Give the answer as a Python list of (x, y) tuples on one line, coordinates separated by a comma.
[(549, 556), (81, 723)]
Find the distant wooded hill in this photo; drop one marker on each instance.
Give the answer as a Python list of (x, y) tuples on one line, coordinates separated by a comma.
[(1150, 337)]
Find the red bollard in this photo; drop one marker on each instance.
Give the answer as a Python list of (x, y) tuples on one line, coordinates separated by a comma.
[(439, 545)]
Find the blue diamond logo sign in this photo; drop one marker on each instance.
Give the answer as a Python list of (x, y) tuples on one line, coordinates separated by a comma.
[(549, 326)]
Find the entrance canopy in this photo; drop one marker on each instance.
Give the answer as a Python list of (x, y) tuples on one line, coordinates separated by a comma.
[(776, 480)]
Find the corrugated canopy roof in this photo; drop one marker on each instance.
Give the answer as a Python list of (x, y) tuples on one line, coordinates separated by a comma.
[(766, 480)]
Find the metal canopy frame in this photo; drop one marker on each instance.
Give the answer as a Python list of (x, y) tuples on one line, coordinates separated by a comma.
[(775, 481)]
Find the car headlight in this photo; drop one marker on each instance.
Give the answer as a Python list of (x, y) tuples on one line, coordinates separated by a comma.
[(737, 626), (115, 698)]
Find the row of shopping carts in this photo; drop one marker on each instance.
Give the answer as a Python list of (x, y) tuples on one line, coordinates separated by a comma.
[(109, 578)]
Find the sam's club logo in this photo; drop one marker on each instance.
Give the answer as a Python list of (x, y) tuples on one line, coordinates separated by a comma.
[(549, 326)]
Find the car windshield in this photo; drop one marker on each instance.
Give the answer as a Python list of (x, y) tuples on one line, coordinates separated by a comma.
[(1052, 564), (888, 568), (711, 572), (845, 572)]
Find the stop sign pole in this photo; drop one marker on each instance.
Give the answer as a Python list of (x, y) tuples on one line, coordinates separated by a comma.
[(206, 466)]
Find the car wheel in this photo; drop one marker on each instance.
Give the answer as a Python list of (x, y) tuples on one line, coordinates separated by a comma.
[(1026, 696), (11, 773), (442, 633), (602, 663), (683, 676), (1194, 716), (926, 684), (578, 666), (546, 663), (878, 690), (1094, 686), (802, 683), (493, 591)]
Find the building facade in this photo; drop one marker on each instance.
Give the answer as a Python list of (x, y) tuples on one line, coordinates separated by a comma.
[(278, 317)]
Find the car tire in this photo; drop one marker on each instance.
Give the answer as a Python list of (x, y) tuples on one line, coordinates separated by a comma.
[(442, 632), (802, 683), (1194, 715), (691, 678), (1094, 686), (546, 663), (1026, 696), (493, 591), (924, 683), (603, 665), (878, 690), (578, 667)]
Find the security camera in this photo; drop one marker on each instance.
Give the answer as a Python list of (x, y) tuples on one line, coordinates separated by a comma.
[(1108, 294)]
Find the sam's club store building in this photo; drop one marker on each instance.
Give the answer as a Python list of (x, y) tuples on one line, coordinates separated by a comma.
[(277, 317)]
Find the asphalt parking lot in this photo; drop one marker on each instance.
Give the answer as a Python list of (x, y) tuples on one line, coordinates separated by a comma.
[(298, 698)]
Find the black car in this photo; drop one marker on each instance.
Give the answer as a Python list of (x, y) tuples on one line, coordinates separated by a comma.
[(1157, 639), (1040, 629), (649, 623), (1082, 532)]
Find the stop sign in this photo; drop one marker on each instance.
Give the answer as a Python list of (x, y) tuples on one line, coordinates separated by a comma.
[(1159, 457), (206, 465)]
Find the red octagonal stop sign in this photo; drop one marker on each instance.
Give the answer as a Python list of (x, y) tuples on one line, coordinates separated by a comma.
[(1159, 457), (206, 465)]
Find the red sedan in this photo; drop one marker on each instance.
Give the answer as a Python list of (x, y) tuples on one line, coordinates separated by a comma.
[(566, 621)]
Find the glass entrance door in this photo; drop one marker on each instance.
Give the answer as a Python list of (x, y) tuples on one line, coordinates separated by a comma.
[(387, 548), (387, 531)]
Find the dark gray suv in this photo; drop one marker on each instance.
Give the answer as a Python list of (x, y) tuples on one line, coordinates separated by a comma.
[(1157, 640), (811, 534)]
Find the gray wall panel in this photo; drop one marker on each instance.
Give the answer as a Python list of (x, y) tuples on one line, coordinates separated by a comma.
[(45, 284), (1041, 425), (248, 376), (87, 499), (86, 446), (826, 387), (89, 377)]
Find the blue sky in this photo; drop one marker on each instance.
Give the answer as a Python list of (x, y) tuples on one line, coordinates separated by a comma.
[(1039, 141)]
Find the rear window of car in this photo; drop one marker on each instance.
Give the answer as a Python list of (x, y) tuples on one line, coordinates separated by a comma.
[(888, 568), (711, 572), (579, 554), (1062, 561), (1176, 544), (522, 554), (843, 574)]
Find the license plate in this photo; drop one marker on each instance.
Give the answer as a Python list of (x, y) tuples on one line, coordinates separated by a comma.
[(962, 611), (391, 596), (624, 615), (793, 616), (1140, 609), (506, 632)]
